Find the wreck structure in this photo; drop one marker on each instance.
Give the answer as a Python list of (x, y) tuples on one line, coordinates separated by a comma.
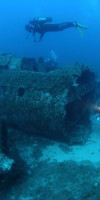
[(55, 105)]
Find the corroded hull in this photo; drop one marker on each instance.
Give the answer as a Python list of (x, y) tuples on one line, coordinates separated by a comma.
[(47, 104)]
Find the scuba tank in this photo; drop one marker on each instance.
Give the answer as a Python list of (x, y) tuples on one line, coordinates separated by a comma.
[(40, 20), (43, 19)]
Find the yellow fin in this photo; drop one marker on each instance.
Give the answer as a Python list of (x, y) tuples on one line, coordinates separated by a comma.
[(81, 33), (82, 26)]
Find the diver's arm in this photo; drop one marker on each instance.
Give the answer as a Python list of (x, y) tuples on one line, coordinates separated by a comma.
[(34, 35), (41, 36)]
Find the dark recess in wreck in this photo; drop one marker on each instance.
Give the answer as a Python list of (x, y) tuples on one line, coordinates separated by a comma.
[(54, 105)]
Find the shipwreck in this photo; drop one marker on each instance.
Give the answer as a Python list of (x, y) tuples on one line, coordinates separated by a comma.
[(55, 105)]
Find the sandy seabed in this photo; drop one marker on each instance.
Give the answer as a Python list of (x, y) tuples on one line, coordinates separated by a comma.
[(49, 170)]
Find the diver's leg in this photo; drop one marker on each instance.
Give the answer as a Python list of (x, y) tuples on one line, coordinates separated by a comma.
[(65, 25)]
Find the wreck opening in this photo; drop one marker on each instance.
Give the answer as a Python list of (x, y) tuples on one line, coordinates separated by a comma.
[(77, 119), (21, 91)]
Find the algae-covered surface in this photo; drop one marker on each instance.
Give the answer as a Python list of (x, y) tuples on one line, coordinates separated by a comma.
[(36, 107), (48, 104), (50, 170)]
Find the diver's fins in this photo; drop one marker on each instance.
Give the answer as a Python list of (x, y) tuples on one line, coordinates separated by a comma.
[(80, 32), (79, 26)]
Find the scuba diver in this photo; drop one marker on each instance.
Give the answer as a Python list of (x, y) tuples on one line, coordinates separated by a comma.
[(40, 25)]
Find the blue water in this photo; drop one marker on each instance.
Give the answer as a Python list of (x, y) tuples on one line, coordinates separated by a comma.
[(68, 45)]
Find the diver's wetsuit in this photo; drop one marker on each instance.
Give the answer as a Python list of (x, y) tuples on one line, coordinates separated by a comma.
[(52, 28), (42, 26)]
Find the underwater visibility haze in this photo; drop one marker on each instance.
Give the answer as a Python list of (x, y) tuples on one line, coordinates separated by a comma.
[(68, 45), (50, 100)]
